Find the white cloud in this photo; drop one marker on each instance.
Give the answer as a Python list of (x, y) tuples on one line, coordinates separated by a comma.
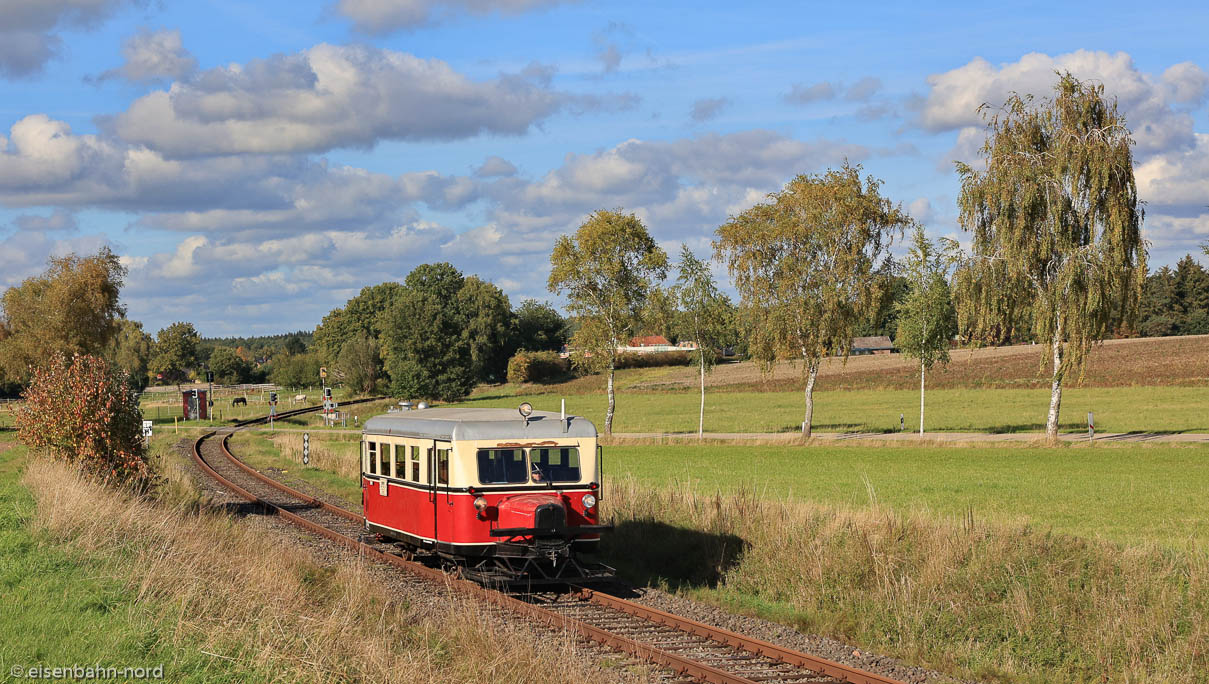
[(495, 166), (333, 96), (385, 16), (863, 89), (28, 38), (151, 56), (1149, 102), (58, 221), (801, 93), (708, 108), (1177, 183)]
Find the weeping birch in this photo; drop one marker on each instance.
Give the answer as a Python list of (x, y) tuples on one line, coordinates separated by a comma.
[(1056, 222), (804, 263), (606, 271)]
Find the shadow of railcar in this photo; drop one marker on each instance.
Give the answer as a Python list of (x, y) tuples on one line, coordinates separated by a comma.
[(646, 552)]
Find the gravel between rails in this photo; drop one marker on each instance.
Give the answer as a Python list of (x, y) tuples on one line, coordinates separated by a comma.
[(788, 637)]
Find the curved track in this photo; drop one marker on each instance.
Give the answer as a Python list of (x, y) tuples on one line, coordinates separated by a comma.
[(692, 649)]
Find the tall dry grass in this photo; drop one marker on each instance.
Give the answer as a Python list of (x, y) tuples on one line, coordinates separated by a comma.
[(341, 462), (242, 593), (998, 602)]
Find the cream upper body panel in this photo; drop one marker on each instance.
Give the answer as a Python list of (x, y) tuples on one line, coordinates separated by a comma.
[(466, 431)]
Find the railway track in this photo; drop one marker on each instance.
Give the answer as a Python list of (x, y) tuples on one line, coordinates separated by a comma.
[(693, 650)]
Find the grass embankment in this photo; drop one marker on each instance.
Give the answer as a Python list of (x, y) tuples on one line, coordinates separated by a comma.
[(334, 465), (1121, 409), (1130, 494), (94, 576), (997, 602)]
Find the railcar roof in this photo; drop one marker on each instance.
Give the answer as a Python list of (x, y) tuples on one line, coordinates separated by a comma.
[(477, 423)]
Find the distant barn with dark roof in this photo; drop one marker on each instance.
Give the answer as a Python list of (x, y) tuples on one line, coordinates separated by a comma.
[(878, 344)]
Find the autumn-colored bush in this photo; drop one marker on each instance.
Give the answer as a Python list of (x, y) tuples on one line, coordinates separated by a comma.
[(542, 366), (84, 413)]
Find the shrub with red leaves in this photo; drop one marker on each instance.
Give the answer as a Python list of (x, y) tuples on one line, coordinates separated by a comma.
[(84, 413)]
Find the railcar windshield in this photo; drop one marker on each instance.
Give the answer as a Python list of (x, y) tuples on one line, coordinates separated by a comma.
[(557, 464), (502, 466)]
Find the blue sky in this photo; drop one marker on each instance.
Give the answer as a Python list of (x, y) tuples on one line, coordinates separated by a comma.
[(257, 163)]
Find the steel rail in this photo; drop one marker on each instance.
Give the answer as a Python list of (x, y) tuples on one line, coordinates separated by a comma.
[(672, 661)]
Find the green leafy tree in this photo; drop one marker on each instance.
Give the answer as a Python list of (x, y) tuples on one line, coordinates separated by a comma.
[(660, 313), (1055, 220), (606, 271), (360, 317), (294, 345), (71, 308), (228, 367), (175, 351), (295, 370), (926, 319), (428, 355), (360, 364), (539, 327), (131, 350), (705, 318), (805, 264), (489, 328), (84, 412)]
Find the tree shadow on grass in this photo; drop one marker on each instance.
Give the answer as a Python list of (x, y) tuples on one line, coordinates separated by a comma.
[(1032, 427), (646, 552)]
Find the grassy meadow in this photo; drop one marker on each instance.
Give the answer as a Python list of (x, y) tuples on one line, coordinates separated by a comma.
[(1117, 409), (1129, 494)]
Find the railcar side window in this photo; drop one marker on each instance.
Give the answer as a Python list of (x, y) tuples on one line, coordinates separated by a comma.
[(372, 452), (442, 466), (501, 466), (384, 460), (559, 464), (415, 464)]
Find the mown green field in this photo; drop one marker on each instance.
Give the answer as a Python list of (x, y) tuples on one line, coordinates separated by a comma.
[(1119, 409), (1135, 494)]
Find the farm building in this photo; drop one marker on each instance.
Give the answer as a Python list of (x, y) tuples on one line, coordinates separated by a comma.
[(878, 344), (650, 341)]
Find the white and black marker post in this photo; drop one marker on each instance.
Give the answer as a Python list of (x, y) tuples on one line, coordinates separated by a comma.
[(1091, 426), (306, 448)]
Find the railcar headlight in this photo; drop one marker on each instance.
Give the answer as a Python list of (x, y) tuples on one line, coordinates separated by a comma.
[(589, 500), (480, 504)]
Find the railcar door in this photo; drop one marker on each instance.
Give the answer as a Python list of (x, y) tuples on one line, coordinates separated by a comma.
[(438, 480)]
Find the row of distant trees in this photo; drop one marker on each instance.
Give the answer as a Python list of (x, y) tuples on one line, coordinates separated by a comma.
[(436, 335)]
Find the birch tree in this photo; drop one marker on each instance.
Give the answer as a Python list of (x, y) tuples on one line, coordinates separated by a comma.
[(606, 271), (804, 263), (705, 314), (1055, 219), (926, 319)]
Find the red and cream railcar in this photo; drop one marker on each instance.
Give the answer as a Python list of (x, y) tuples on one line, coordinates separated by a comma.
[(512, 498)]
